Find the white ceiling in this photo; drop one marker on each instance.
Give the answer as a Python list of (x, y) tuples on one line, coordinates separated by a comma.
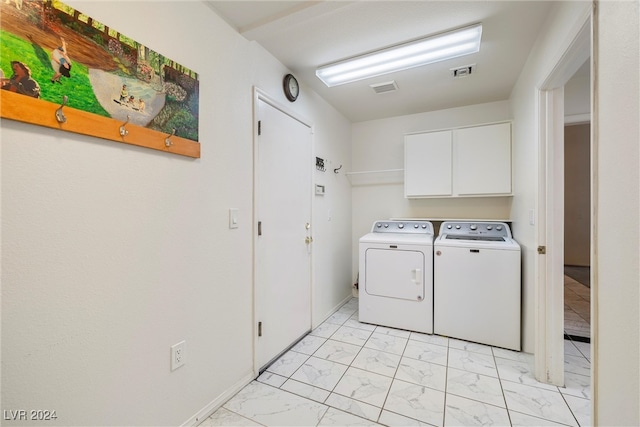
[(306, 34)]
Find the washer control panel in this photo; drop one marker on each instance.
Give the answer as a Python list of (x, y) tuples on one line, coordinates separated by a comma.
[(480, 228), (408, 227)]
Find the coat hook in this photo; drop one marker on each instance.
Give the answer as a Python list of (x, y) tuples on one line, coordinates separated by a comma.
[(337, 169), (123, 131), (60, 117), (167, 141)]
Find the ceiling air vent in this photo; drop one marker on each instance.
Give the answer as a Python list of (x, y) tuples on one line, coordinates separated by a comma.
[(384, 87), (465, 71)]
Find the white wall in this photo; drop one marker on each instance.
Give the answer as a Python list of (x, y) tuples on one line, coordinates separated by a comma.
[(577, 195), (577, 93), (543, 57), (616, 184), (617, 187), (331, 212), (379, 145), (112, 253)]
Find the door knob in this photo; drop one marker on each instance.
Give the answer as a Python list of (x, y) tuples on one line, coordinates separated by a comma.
[(307, 226), (308, 239)]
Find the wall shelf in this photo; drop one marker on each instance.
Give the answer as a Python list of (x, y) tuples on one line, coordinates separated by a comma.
[(43, 113), (376, 177)]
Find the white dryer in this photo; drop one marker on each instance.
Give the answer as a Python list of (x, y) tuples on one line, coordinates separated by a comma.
[(477, 283), (396, 275)]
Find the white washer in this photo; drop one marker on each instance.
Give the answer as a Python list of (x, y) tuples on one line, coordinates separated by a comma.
[(396, 275), (477, 283)]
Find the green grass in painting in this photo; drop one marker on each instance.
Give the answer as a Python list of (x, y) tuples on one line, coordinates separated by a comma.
[(77, 87)]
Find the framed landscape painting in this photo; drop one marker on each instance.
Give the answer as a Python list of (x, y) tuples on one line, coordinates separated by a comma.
[(50, 51)]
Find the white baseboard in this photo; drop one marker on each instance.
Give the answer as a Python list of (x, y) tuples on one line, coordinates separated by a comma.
[(333, 310), (216, 403)]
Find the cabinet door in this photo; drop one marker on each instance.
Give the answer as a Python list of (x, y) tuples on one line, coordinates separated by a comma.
[(482, 160), (427, 164)]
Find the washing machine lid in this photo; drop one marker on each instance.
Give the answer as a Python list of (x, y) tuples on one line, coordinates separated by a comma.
[(502, 243), (474, 238)]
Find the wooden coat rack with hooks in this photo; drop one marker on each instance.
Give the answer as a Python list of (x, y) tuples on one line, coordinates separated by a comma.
[(23, 108)]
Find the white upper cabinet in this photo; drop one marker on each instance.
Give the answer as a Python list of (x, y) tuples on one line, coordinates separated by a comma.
[(483, 160), (472, 161), (427, 164)]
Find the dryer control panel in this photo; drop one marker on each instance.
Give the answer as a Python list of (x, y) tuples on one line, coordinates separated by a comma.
[(408, 227)]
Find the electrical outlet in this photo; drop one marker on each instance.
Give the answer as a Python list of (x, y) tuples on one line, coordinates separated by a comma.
[(178, 355)]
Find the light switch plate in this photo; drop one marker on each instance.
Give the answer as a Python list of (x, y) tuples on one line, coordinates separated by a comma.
[(233, 218)]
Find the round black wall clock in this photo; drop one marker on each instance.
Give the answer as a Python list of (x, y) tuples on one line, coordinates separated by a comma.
[(291, 87)]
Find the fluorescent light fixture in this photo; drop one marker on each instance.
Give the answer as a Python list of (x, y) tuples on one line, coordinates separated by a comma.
[(420, 52)]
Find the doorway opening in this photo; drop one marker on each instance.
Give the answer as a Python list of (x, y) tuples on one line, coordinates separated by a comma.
[(577, 206), (550, 342)]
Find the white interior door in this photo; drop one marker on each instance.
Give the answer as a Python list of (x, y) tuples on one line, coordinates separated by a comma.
[(283, 235)]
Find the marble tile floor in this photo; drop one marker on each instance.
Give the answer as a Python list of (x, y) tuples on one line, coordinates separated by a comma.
[(577, 308), (347, 373)]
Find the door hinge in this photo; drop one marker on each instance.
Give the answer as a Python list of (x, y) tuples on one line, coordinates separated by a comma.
[(259, 228), (259, 329), (542, 250), (259, 127)]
